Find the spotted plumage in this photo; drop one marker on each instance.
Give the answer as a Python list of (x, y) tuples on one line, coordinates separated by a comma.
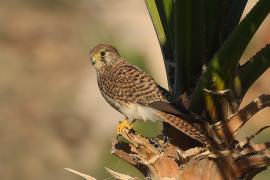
[(134, 93)]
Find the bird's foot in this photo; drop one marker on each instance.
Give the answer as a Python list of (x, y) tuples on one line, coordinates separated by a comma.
[(122, 126), (123, 129)]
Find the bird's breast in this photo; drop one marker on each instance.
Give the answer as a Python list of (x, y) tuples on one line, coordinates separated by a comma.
[(139, 112)]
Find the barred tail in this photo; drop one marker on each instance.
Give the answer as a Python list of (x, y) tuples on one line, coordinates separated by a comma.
[(184, 127)]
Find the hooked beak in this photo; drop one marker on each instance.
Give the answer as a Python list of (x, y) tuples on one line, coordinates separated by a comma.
[(93, 61)]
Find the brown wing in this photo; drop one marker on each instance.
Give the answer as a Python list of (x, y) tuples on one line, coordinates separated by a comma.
[(165, 103), (130, 83), (165, 107), (142, 89)]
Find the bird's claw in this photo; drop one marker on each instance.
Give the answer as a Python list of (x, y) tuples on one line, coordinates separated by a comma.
[(123, 129), (122, 126)]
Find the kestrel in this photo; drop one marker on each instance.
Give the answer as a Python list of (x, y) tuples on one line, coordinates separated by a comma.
[(135, 94)]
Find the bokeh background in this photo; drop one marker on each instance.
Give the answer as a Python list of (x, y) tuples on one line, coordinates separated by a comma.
[(52, 115)]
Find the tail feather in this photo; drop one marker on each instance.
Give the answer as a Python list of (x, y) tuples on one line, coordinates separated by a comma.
[(185, 127)]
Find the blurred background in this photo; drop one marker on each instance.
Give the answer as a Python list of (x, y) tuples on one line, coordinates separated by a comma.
[(52, 115)]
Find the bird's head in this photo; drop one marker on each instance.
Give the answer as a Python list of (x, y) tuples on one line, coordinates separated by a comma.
[(103, 54)]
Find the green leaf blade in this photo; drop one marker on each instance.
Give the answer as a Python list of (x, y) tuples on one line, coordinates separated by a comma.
[(189, 43), (161, 14), (251, 71)]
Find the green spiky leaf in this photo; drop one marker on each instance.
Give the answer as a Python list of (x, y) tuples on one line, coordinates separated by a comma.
[(220, 71), (251, 71)]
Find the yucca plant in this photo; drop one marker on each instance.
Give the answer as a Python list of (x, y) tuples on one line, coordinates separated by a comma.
[(202, 42)]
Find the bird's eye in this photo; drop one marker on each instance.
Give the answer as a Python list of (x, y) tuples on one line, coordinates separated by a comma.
[(102, 53)]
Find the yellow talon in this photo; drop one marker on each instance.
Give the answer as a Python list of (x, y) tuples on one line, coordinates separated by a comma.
[(123, 125)]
